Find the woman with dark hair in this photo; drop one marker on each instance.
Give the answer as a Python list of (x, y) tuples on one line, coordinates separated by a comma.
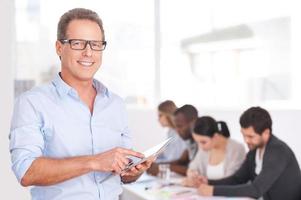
[(221, 155)]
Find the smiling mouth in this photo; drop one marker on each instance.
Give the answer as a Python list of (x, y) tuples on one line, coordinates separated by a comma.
[(85, 63)]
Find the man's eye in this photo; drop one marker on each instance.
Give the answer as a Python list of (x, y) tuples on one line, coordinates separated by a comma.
[(96, 44), (77, 43)]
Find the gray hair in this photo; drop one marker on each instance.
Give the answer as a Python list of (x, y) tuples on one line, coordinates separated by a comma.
[(77, 14)]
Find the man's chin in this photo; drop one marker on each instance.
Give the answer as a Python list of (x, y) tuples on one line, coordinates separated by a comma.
[(251, 147)]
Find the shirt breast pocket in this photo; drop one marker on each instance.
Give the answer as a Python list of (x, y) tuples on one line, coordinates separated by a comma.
[(47, 136), (107, 137)]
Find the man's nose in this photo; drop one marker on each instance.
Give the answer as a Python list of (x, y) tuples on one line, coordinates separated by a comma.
[(88, 51)]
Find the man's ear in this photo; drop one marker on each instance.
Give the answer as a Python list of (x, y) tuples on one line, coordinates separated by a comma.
[(58, 48)]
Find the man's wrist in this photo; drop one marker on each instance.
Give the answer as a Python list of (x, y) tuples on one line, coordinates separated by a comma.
[(90, 164)]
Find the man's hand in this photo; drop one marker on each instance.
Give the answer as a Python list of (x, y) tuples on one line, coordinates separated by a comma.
[(205, 190), (134, 173), (139, 169), (114, 160)]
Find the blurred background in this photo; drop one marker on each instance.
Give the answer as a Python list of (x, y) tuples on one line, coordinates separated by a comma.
[(220, 56)]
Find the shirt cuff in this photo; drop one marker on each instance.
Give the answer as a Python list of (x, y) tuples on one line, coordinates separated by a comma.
[(21, 168)]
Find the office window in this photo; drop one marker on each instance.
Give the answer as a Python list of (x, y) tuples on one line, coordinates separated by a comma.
[(223, 55)]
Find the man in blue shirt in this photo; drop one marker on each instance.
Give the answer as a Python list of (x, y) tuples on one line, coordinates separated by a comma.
[(70, 139)]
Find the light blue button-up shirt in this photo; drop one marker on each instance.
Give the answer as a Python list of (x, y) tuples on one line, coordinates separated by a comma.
[(52, 121)]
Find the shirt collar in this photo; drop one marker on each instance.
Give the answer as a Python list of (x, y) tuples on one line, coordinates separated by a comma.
[(64, 89), (101, 89)]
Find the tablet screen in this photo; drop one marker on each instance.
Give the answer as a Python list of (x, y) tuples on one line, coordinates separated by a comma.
[(152, 152)]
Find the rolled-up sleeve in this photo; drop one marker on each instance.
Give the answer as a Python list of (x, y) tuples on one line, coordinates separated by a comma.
[(26, 139)]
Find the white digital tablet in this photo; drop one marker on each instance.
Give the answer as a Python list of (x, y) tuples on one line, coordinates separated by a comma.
[(152, 152)]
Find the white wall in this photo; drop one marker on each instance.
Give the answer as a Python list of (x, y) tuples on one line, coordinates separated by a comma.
[(10, 189), (145, 128), (147, 132)]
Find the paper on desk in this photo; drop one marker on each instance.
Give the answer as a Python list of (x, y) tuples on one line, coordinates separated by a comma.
[(145, 178), (167, 192)]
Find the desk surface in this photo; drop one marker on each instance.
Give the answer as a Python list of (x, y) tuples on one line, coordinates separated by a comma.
[(153, 188)]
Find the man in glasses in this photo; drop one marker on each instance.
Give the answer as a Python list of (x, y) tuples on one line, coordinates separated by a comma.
[(70, 138)]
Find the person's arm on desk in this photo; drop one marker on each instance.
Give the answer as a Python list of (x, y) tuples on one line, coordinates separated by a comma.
[(179, 166), (240, 177), (273, 167), (47, 171)]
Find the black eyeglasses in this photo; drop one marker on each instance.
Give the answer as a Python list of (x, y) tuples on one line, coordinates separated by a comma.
[(78, 44)]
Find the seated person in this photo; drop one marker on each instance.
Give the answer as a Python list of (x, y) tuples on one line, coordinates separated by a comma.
[(270, 170), (173, 151), (221, 155), (184, 118)]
